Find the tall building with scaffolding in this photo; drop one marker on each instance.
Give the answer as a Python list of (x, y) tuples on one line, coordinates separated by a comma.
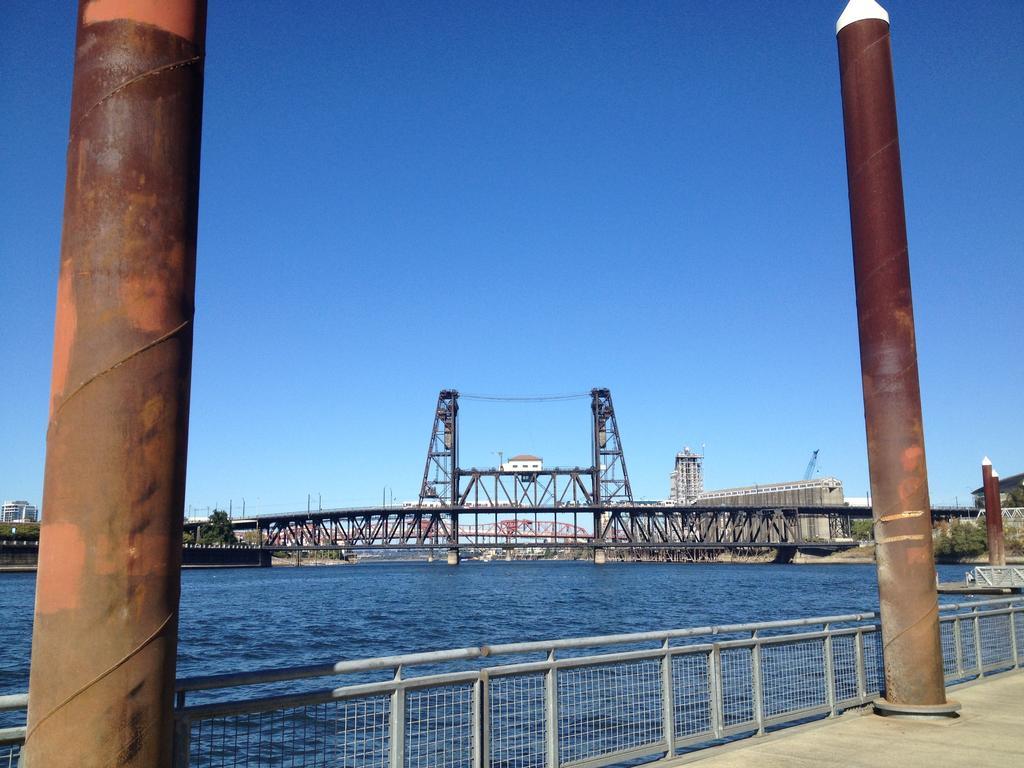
[(687, 479)]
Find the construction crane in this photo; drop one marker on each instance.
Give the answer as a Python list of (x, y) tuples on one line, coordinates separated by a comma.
[(811, 465)]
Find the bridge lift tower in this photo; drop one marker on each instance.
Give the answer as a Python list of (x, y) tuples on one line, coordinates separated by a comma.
[(443, 453), (605, 482)]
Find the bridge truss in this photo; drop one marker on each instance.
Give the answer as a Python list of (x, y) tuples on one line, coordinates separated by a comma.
[(415, 528), (635, 527), (719, 527)]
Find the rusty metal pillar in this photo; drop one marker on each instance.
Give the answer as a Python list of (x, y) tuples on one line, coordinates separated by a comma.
[(997, 504), (993, 514), (106, 616), (892, 401)]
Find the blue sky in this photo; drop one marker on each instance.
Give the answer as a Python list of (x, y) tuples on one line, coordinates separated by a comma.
[(542, 198)]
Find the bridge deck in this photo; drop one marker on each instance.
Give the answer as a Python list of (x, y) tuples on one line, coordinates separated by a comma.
[(988, 733), (633, 526)]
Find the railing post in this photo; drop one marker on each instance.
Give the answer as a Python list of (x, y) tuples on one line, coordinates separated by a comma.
[(668, 706), (757, 682), (858, 654), (182, 741), (715, 691), (1012, 618), (978, 661), (481, 750), (830, 673), (551, 713), (396, 737), (485, 715), (957, 640)]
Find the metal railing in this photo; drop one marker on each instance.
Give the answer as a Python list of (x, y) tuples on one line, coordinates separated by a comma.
[(572, 703), (12, 709), (997, 576), (982, 637), (582, 703), (1012, 515)]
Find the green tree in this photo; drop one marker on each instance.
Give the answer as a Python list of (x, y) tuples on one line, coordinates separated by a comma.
[(1015, 542), (961, 540), (21, 531), (862, 530), (218, 530)]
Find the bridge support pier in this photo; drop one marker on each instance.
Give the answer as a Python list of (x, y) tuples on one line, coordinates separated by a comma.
[(453, 556), (600, 556)]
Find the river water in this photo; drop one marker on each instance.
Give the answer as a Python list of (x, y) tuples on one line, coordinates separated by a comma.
[(251, 618)]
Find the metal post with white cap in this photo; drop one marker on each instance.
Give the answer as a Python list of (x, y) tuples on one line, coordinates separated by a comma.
[(993, 513), (908, 601)]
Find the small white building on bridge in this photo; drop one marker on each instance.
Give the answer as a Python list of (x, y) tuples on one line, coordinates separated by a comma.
[(523, 462)]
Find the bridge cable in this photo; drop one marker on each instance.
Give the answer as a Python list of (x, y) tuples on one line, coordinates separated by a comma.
[(525, 398)]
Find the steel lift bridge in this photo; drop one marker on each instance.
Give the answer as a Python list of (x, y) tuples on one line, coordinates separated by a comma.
[(568, 507)]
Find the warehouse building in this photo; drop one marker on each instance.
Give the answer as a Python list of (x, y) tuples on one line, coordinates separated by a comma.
[(819, 492)]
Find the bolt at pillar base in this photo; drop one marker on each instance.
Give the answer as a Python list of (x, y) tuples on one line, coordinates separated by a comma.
[(888, 709), (453, 557)]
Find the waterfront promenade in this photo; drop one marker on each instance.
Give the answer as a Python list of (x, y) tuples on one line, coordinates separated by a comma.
[(989, 732)]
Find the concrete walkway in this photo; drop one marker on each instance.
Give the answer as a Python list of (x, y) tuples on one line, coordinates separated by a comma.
[(989, 732)]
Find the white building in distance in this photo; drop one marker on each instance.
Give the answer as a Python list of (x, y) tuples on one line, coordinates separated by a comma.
[(524, 462), (686, 482), (19, 512)]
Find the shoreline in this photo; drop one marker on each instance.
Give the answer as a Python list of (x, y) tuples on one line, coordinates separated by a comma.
[(838, 558)]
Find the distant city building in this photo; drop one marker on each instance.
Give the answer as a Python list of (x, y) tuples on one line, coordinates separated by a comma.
[(686, 482), (1006, 486), (19, 512), (524, 462), (686, 487)]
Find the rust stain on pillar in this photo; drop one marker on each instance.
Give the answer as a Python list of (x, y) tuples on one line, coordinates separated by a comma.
[(892, 401), (105, 635), (993, 514)]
